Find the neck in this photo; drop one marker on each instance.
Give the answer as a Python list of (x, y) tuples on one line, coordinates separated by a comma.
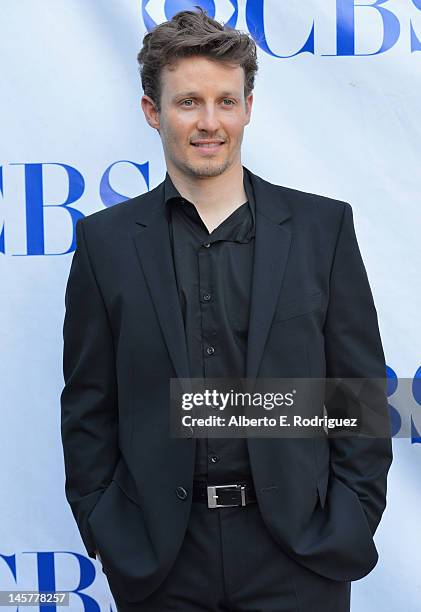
[(214, 197)]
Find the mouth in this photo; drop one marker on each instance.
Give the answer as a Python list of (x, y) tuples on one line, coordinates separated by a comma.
[(207, 146)]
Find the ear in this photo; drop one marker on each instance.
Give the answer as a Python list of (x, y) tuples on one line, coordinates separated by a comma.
[(249, 104), (150, 111)]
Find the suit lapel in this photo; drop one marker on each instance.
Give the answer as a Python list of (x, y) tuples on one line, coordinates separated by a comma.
[(153, 245), (272, 242), (271, 248)]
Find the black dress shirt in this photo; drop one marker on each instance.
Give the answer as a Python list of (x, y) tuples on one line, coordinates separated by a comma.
[(214, 273)]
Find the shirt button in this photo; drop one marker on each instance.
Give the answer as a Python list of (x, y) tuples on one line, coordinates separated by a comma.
[(214, 458), (206, 244), (206, 297), (210, 350), (181, 493)]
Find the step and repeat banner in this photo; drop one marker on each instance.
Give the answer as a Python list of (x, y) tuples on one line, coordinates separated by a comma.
[(336, 112)]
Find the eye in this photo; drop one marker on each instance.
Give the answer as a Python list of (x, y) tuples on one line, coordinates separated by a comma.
[(231, 102), (183, 103)]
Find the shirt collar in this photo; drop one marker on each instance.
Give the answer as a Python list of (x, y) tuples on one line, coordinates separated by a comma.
[(171, 192)]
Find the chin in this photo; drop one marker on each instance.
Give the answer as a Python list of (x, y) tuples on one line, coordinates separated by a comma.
[(208, 168)]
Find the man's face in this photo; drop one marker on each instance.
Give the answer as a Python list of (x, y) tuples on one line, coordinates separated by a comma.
[(203, 115)]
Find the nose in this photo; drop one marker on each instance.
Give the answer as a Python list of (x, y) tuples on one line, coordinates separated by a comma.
[(208, 119)]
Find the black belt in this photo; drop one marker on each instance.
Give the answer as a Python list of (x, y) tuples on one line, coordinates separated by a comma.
[(221, 496)]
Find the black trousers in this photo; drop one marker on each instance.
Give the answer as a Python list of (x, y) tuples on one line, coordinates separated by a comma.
[(229, 562)]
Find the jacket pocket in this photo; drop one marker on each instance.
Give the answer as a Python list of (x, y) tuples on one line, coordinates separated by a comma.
[(125, 481), (294, 307)]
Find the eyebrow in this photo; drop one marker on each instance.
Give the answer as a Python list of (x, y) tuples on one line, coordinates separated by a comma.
[(196, 94)]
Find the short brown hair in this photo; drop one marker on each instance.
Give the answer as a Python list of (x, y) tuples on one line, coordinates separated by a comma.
[(191, 33)]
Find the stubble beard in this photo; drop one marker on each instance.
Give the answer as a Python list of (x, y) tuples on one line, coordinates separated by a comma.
[(204, 168), (208, 168), (200, 168)]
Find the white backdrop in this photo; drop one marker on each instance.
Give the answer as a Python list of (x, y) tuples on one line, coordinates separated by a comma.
[(339, 119)]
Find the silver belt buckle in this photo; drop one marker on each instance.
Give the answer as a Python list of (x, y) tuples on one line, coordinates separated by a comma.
[(212, 495)]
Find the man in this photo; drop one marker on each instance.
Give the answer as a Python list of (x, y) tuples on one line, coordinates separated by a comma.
[(216, 273)]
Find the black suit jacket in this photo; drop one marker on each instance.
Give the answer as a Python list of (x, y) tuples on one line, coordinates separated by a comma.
[(312, 315)]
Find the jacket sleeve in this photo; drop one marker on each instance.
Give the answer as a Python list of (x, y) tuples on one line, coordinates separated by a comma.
[(89, 411), (353, 349)]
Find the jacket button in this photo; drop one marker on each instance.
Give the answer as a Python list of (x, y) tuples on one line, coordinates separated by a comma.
[(181, 493)]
